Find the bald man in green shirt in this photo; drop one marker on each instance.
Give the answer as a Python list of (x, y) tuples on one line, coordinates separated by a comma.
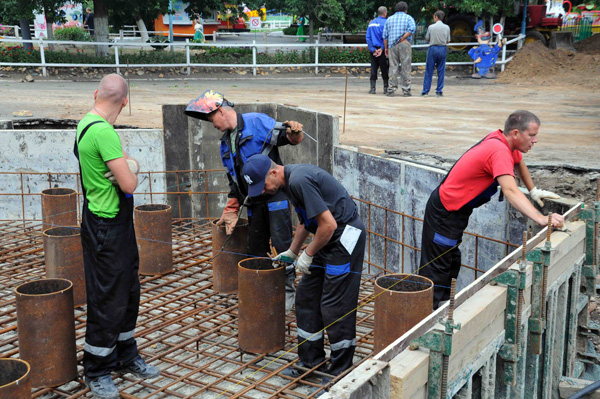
[(110, 254)]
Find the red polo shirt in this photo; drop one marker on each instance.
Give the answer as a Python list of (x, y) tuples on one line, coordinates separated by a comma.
[(477, 169)]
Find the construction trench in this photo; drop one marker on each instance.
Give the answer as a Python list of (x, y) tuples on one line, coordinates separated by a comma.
[(523, 334)]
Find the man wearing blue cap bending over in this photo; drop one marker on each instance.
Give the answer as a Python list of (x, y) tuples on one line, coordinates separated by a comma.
[(331, 264)]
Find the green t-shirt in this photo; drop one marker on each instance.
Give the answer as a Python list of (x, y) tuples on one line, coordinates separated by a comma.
[(100, 144)]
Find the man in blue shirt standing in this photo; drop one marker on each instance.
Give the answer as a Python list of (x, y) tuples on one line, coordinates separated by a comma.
[(376, 47), (438, 36), (397, 38)]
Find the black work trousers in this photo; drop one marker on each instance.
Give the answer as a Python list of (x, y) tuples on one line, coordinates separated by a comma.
[(270, 219), (440, 256), (328, 297), (111, 262), (380, 62)]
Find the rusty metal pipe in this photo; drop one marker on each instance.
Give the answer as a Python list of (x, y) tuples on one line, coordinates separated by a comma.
[(14, 379), (46, 331), (154, 238), (225, 265), (63, 258), (261, 306), (401, 302), (59, 207)]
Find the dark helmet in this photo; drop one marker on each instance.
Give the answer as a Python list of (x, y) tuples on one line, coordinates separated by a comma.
[(206, 104)]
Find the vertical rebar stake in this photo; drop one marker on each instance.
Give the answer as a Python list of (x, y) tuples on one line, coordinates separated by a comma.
[(595, 260), (520, 299), (451, 305), (545, 272), (445, 359), (525, 238)]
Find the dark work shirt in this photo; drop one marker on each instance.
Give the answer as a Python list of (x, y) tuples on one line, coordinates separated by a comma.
[(313, 191)]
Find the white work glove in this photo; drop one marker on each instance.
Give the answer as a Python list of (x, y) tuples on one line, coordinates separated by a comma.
[(538, 195), (133, 167), (304, 262), (287, 257)]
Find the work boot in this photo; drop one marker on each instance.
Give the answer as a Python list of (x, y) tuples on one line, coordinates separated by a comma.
[(140, 369), (372, 91), (102, 387), (385, 86)]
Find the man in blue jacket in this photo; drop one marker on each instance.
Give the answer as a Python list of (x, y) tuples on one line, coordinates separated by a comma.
[(244, 135), (376, 47)]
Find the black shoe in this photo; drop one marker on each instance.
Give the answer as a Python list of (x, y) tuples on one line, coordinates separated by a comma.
[(439, 94), (425, 94), (139, 368), (372, 91), (102, 387), (390, 93), (406, 93)]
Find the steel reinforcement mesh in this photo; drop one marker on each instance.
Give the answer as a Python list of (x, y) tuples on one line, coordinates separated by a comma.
[(184, 328)]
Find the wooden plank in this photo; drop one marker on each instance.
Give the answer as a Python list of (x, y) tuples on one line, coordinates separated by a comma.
[(426, 324), (482, 320), (570, 386)]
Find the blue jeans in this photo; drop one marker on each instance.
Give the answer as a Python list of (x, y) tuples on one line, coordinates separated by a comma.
[(436, 57)]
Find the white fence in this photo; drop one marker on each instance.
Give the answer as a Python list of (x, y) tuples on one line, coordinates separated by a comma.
[(186, 46)]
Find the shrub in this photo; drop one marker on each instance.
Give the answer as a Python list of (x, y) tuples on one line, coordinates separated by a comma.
[(158, 39), (290, 31), (19, 54), (73, 33)]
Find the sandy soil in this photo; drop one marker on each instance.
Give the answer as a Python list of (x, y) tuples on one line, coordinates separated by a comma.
[(444, 127)]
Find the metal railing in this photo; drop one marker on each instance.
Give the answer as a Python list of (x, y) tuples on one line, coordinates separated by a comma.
[(187, 46)]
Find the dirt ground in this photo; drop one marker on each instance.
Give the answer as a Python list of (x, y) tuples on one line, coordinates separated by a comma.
[(420, 127)]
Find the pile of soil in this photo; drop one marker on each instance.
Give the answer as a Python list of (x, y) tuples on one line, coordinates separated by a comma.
[(536, 64), (591, 45)]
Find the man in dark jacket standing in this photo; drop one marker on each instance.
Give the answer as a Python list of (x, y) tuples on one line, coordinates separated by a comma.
[(376, 47)]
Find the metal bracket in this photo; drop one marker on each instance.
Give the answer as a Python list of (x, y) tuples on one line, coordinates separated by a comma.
[(536, 323), (439, 343), (510, 351)]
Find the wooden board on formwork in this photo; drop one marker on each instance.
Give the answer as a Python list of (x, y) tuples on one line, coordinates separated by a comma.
[(567, 249), (481, 318), (570, 386), (428, 323)]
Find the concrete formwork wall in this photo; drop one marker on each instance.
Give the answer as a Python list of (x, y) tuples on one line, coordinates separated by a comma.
[(44, 151), (405, 187), (194, 144), (548, 361), (476, 346)]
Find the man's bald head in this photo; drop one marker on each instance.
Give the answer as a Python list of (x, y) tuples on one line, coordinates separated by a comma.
[(112, 89)]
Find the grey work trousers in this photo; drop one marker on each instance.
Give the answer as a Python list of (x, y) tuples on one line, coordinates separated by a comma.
[(400, 56)]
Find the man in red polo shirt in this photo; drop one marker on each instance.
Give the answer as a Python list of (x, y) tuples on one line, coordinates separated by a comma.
[(470, 183)]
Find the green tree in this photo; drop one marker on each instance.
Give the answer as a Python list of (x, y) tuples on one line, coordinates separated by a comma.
[(138, 9), (339, 15), (18, 12)]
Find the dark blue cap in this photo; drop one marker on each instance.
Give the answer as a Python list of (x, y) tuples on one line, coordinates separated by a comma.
[(255, 171)]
